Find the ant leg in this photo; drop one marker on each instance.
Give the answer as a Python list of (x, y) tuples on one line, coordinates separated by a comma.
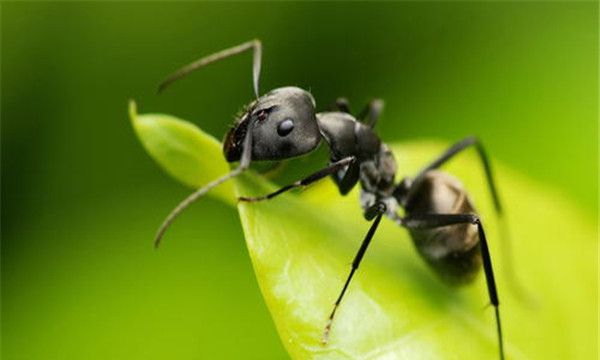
[(455, 149), (370, 114), (376, 211), (343, 105), (254, 45), (429, 221), (331, 169), (244, 164), (346, 181), (515, 284)]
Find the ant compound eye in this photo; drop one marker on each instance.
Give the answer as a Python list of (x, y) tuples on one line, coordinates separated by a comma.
[(261, 115), (285, 127)]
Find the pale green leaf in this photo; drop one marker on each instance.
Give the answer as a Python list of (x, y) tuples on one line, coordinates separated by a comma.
[(301, 247), (188, 154)]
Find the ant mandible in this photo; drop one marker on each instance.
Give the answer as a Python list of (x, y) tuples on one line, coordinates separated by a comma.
[(439, 215)]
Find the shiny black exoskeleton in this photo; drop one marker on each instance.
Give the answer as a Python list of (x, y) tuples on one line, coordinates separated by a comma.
[(441, 219)]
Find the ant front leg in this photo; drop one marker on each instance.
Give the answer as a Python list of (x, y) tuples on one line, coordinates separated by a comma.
[(430, 221), (318, 175)]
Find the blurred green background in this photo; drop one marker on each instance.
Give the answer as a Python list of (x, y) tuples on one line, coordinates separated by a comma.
[(81, 199)]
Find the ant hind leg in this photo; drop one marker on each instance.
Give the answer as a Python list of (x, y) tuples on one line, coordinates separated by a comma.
[(430, 221)]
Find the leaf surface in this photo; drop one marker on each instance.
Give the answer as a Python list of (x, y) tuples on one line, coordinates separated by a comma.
[(188, 154), (302, 244)]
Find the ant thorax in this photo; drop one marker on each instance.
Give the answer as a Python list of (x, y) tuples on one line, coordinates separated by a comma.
[(377, 174), (377, 181), (375, 166)]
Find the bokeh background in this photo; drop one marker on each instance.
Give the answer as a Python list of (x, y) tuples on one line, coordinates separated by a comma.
[(81, 200)]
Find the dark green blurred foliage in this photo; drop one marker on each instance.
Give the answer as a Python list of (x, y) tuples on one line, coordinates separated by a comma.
[(81, 199)]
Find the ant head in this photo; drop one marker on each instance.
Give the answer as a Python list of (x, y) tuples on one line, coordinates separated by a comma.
[(284, 125)]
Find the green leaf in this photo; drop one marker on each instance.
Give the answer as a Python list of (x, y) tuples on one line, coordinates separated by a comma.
[(301, 247), (185, 152)]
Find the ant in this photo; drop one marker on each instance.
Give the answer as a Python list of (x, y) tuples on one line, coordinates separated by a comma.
[(439, 215)]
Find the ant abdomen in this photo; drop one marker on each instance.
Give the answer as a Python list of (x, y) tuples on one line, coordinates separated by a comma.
[(452, 251)]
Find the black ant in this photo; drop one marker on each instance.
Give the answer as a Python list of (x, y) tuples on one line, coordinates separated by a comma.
[(439, 215)]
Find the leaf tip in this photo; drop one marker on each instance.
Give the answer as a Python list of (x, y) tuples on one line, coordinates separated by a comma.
[(132, 108)]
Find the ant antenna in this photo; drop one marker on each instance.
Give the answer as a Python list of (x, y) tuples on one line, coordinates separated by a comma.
[(244, 163), (254, 45)]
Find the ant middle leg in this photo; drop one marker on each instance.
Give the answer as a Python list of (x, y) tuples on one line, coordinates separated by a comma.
[(374, 212)]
